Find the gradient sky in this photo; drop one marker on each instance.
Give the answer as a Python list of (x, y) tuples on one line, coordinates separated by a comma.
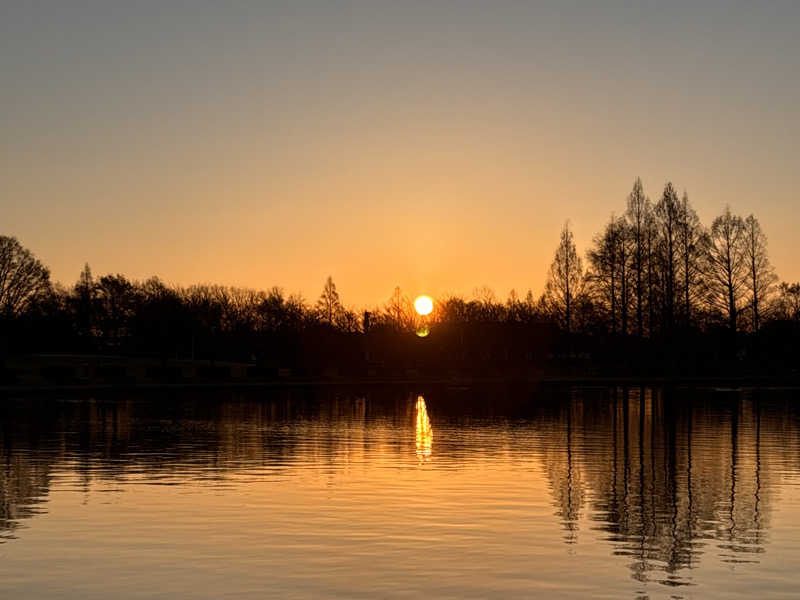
[(438, 146)]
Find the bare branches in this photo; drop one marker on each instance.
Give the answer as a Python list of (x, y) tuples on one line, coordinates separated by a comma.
[(727, 265), (329, 306), (22, 277), (761, 276), (565, 281)]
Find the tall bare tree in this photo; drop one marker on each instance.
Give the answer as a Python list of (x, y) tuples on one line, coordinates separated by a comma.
[(761, 276), (727, 265), (329, 306), (399, 310), (609, 275), (22, 277), (639, 214), (564, 281), (692, 248), (602, 274), (668, 215), (652, 268), (84, 301), (623, 238)]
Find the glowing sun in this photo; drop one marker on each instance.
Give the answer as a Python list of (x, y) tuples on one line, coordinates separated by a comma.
[(423, 305)]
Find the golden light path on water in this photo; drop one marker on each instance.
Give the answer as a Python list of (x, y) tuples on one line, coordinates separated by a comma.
[(423, 431), (579, 493)]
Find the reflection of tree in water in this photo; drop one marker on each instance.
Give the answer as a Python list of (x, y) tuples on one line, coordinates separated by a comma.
[(665, 476), (25, 473), (23, 487), (564, 470), (668, 475), (182, 439)]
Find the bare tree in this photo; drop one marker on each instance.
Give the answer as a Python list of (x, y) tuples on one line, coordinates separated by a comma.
[(692, 248), (530, 300), (85, 295), (399, 310), (623, 239), (727, 265), (484, 295), (651, 268), (787, 305), (347, 320), (761, 277), (564, 281), (22, 277), (486, 303), (639, 214), (295, 311), (611, 272), (116, 300), (515, 310), (85, 283), (603, 273), (668, 215), (329, 304)]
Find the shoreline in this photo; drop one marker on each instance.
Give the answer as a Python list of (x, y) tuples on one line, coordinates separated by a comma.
[(717, 383)]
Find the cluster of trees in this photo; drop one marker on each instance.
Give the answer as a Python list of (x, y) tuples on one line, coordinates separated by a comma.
[(653, 271), (657, 268), (112, 313), (104, 311)]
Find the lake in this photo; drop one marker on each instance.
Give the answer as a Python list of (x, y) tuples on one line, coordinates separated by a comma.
[(397, 492)]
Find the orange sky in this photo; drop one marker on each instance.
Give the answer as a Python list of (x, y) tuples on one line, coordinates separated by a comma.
[(409, 145)]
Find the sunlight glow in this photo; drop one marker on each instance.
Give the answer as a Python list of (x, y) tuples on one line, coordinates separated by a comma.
[(423, 305), (423, 431)]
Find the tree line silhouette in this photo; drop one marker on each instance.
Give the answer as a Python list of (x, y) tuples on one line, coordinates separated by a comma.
[(657, 268), (660, 291)]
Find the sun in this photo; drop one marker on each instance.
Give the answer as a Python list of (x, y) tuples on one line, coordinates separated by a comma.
[(423, 305)]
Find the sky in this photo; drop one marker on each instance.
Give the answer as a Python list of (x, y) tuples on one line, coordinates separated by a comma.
[(438, 146)]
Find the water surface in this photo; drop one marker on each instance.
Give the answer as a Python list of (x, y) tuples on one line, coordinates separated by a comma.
[(398, 492)]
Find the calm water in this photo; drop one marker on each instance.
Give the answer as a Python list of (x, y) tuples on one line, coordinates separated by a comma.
[(496, 492)]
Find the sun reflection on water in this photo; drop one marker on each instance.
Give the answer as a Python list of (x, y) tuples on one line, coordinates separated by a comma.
[(423, 431)]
